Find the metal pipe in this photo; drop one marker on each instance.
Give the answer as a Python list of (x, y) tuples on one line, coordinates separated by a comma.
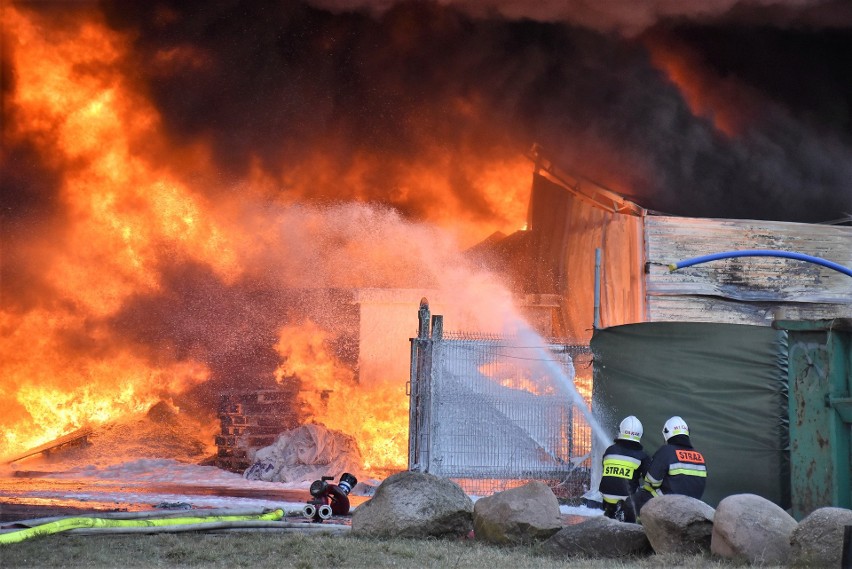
[(761, 253), (413, 400), (597, 321)]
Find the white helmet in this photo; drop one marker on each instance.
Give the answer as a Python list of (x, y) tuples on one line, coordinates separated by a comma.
[(630, 429), (675, 426)]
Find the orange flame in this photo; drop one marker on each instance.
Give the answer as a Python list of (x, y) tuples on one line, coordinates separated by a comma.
[(721, 100), (376, 415), (505, 374), (72, 100), (131, 203)]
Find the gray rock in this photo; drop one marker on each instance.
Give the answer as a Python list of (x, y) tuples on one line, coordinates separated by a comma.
[(678, 524), (818, 539), (749, 528), (521, 515), (416, 505), (599, 537)]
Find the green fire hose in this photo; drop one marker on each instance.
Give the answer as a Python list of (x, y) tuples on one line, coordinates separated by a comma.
[(77, 523)]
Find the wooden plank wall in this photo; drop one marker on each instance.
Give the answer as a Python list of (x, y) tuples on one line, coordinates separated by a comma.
[(745, 290)]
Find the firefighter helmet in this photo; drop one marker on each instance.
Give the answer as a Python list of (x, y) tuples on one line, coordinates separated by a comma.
[(630, 429), (675, 426)]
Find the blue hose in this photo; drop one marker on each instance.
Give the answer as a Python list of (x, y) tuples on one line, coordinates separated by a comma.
[(762, 253)]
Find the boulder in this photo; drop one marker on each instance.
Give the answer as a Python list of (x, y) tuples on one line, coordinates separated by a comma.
[(678, 524), (818, 539), (521, 515), (751, 529), (599, 536), (415, 505)]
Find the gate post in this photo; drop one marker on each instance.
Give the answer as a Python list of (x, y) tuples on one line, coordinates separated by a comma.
[(419, 392)]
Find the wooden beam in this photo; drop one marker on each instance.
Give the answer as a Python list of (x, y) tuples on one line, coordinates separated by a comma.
[(79, 436)]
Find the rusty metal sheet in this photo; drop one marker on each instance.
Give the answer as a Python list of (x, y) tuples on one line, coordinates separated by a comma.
[(819, 382)]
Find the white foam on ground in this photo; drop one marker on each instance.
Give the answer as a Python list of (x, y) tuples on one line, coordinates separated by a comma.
[(100, 476), (580, 511), (149, 483)]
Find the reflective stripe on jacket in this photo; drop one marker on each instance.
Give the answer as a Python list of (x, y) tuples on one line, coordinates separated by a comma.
[(677, 468), (624, 464)]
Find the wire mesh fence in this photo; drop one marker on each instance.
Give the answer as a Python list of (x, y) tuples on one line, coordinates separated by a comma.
[(493, 413)]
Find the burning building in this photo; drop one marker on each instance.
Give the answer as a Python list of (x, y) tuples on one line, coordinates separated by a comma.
[(190, 209), (608, 261), (669, 340)]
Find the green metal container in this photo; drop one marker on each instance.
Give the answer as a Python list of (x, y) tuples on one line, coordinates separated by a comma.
[(820, 398)]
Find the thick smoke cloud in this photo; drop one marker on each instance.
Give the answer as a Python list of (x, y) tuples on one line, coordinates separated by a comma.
[(310, 89), (285, 82), (628, 18), (324, 93)]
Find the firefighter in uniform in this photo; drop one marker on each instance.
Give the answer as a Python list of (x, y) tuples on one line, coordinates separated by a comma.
[(676, 468), (624, 465)]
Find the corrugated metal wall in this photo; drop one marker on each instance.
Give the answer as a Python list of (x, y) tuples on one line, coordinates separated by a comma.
[(566, 232), (744, 290)]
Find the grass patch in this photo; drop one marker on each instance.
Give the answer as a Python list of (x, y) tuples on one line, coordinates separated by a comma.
[(277, 550)]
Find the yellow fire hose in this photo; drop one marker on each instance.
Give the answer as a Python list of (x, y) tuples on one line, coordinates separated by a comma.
[(77, 523)]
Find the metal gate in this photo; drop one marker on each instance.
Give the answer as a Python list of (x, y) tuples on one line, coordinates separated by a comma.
[(492, 413)]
